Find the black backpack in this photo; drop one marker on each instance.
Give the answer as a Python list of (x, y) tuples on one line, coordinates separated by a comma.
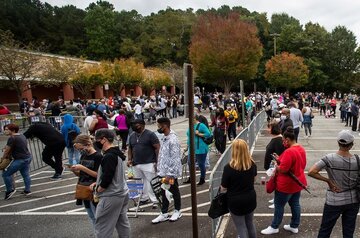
[(208, 140), (72, 134)]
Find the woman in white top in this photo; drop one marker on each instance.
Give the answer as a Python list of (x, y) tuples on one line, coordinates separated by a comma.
[(138, 111)]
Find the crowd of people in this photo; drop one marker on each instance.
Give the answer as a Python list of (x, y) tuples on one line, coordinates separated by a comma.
[(101, 166)]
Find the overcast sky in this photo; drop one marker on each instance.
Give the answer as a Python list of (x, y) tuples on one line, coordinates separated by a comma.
[(328, 13)]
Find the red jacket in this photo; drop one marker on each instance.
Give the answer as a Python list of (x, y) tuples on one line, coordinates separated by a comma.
[(292, 159)]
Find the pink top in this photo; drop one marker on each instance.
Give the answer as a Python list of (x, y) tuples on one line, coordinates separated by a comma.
[(121, 122)]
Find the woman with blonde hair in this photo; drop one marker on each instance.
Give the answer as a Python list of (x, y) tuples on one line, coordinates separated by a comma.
[(238, 182), (86, 170)]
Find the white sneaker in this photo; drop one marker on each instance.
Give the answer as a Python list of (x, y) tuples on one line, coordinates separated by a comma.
[(271, 201), (289, 228), (175, 216), (272, 206), (269, 231), (161, 218)]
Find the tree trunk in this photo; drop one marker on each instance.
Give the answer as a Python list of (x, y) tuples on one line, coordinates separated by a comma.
[(227, 87)]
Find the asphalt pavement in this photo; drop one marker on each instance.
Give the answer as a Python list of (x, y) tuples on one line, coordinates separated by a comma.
[(322, 142), (50, 211)]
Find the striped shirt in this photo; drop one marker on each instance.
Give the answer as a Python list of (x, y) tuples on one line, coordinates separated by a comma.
[(344, 171)]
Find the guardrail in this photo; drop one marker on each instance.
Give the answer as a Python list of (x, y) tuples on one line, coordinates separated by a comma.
[(248, 134)]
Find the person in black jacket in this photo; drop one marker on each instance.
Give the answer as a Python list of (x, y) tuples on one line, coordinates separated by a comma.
[(275, 145), (285, 120), (111, 189), (54, 145)]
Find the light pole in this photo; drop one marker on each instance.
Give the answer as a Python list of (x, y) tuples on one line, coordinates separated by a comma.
[(275, 35)]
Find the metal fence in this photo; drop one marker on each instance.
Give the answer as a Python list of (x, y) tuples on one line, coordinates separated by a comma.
[(248, 134)]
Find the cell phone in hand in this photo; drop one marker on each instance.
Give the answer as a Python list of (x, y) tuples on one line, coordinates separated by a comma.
[(68, 165)]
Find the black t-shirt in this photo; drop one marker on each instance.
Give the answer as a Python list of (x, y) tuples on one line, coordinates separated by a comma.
[(240, 189), (91, 162), (142, 146), (19, 148), (274, 146)]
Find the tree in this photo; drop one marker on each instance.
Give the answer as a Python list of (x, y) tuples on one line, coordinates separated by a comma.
[(176, 74), (85, 80), (225, 50), (154, 79), (341, 58), (100, 30), (286, 71), (17, 64), (58, 72), (126, 73)]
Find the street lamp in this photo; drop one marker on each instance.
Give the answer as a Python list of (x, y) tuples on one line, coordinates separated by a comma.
[(275, 35)]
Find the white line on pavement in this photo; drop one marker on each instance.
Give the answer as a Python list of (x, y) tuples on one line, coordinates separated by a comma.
[(310, 150), (203, 214), (75, 210), (37, 199), (49, 206)]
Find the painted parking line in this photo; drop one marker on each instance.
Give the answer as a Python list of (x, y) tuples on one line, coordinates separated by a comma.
[(37, 199), (48, 206)]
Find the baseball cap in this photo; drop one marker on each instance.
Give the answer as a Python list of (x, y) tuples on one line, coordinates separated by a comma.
[(345, 137)]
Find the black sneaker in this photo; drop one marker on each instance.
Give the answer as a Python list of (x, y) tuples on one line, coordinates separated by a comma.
[(144, 202), (26, 193), (8, 195), (56, 177)]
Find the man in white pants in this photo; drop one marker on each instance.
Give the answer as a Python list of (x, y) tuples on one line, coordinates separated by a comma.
[(143, 152)]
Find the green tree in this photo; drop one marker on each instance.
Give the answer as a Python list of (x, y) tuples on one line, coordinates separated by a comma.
[(225, 50), (100, 30), (286, 71), (342, 58), (313, 49)]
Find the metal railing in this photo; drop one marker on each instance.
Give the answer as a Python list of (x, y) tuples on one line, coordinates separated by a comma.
[(248, 134)]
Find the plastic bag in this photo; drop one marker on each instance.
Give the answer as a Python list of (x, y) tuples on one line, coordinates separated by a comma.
[(131, 173)]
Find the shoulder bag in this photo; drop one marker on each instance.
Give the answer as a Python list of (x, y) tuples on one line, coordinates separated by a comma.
[(5, 162), (83, 192), (271, 184), (218, 206)]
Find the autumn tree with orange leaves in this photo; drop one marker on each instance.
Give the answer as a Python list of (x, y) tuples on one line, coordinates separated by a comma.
[(286, 71), (224, 50)]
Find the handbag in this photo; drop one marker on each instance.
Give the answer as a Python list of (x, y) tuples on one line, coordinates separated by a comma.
[(83, 192), (271, 184), (5, 162), (218, 205)]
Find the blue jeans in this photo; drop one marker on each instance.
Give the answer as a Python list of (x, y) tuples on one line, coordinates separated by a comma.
[(22, 165), (74, 156), (280, 201), (200, 160), (332, 213), (91, 213)]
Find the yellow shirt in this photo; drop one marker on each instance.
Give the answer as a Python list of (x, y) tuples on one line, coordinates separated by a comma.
[(232, 112)]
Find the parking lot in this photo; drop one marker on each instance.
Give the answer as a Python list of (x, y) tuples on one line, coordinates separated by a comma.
[(50, 211)]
